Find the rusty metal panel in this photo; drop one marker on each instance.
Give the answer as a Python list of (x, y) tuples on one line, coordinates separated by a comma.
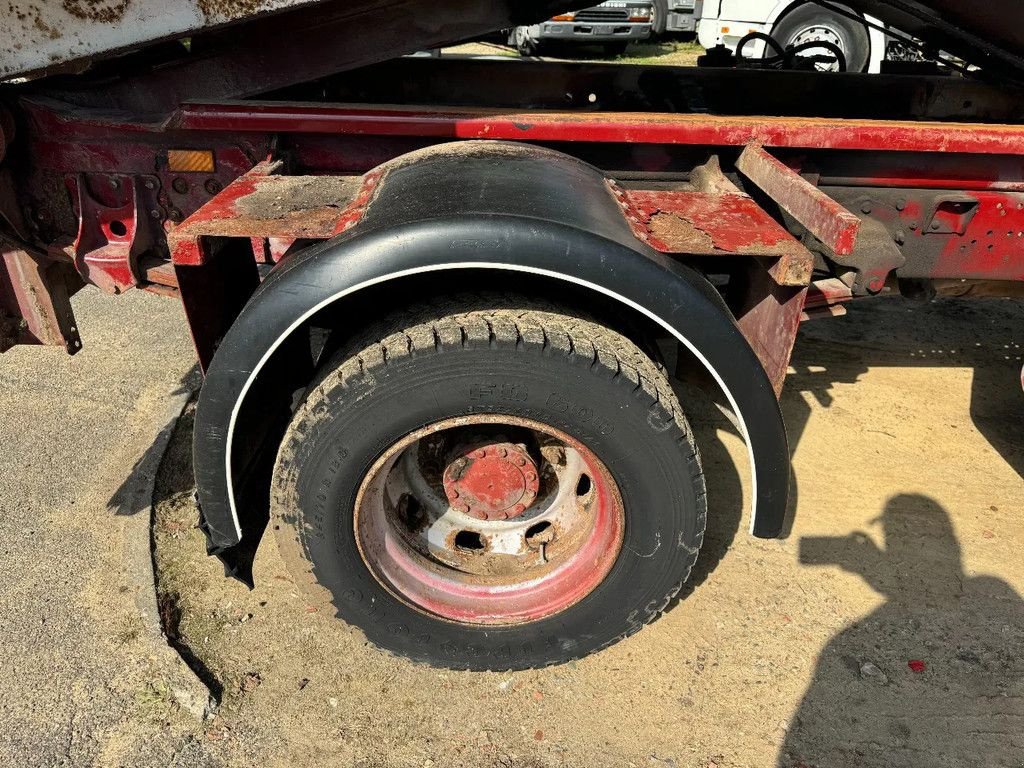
[(769, 320), (260, 205), (35, 305), (698, 223)]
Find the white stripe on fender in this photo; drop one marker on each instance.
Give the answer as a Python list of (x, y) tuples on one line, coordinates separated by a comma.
[(477, 265)]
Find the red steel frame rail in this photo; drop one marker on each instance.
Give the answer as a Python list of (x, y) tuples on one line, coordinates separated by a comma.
[(965, 220), (607, 127)]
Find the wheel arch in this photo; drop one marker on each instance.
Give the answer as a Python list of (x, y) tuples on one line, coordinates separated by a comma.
[(330, 276)]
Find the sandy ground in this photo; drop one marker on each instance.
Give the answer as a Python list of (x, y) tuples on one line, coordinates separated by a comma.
[(85, 676), (887, 630)]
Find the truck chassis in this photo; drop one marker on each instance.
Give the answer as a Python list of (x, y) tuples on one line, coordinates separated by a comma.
[(646, 202)]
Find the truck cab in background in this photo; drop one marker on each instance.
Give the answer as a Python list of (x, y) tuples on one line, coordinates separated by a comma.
[(612, 25), (791, 23), (674, 17)]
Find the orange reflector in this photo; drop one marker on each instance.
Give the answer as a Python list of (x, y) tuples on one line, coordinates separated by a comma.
[(564, 17), (725, 30), (190, 160)]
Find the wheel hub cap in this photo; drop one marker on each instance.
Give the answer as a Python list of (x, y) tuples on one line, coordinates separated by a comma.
[(493, 481)]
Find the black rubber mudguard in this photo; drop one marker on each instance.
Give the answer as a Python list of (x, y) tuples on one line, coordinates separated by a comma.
[(496, 209)]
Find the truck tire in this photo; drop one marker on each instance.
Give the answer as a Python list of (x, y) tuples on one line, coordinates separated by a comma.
[(659, 18), (490, 483), (525, 45), (812, 22)]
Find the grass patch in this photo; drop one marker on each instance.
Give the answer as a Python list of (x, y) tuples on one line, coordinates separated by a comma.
[(670, 53), (674, 54)]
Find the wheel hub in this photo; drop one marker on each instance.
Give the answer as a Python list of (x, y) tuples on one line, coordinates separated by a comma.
[(489, 519), (491, 481)]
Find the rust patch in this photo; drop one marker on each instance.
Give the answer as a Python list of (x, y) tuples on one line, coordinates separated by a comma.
[(284, 197), (230, 9), (823, 217), (315, 224), (46, 29), (671, 227), (103, 11), (794, 266), (257, 205), (696, 223)]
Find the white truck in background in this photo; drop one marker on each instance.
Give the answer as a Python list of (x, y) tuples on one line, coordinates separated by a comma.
[(791, 23), (674, 17)]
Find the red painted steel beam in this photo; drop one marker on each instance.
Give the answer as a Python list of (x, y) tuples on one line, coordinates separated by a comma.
[(824, 218), (620, 127)]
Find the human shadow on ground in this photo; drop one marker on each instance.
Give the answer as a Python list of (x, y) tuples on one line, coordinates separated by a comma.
[(934, 676), (986, 335)]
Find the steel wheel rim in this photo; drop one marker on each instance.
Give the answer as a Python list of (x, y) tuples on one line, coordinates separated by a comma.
[(454, 565), (815, 34)]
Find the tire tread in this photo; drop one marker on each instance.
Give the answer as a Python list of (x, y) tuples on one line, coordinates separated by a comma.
[(530, 326)]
